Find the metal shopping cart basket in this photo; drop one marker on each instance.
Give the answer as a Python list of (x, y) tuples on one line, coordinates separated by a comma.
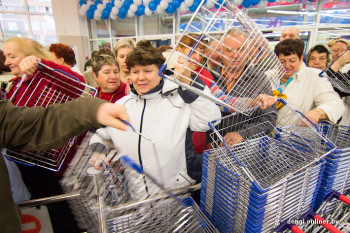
[(341, 79), (55, 86), (109, 202), (254, 54), (271, 176)]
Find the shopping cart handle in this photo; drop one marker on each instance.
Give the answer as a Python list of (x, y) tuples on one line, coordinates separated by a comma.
[(335, 194), (59, 70), (128, 161), (321, 221), (285, 224)]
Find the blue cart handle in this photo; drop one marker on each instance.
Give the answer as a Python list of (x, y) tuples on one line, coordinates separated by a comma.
[(128, 161)]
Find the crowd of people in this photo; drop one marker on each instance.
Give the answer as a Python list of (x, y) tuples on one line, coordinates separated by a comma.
[(176, 119)]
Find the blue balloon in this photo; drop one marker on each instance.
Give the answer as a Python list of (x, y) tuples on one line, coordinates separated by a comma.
[(109, 6), (140, 10), (218, 4), (271, 1), (246, 3), (123, 11), (127, 3), (193, 8), (157, 1), (82, 2), (176, 3), (92, 7), (152, 5), (90, 14), (254, 2), (98, 2), (122, 16), (105, 14), (170, 9)]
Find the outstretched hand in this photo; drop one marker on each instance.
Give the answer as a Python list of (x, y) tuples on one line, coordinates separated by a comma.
[(182, 70), (109, 114), (264, 100)]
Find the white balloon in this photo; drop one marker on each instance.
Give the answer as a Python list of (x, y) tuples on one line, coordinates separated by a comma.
[(114, 10), (145, 2), (118, 3), (138, 2), (237, 2), (148, 12), (82, 12), (89, 3), (183, 7), (97, 15), (262, 4), (159, 10), (100, 7), (104, 2), (113, 16), (133, 7), (164, 4), (209, 4), (83, 9), (169, 1), (189, 2), (130, 14)]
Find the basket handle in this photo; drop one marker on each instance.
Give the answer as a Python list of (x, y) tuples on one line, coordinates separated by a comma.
[(302, 114)]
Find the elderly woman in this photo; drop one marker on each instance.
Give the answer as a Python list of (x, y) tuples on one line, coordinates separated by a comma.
[(64, 55), (304, 89), (106, 72), (24, 91), (121, 50), (165, 113), (20, 55), (319, 56)]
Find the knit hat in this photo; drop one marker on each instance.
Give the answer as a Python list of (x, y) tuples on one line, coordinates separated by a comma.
[(329, 54)]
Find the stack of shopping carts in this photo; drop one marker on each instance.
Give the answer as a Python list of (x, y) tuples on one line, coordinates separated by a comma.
[(107, 204), (254, 185), (337, 164)]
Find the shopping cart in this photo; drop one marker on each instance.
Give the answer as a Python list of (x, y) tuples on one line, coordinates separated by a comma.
[(56, 86), (322, 220), (254, 53), (108, 200), (269, 177), (337, 164), (340, 79)]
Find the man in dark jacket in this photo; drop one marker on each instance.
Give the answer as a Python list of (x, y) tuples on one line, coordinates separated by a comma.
[(40, 128)]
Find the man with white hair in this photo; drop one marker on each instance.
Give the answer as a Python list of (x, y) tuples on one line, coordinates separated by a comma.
[(290, 33)]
